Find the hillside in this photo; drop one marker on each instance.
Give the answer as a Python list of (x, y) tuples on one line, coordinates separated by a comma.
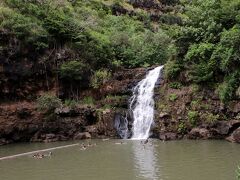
[(57, 45), (76, 61)]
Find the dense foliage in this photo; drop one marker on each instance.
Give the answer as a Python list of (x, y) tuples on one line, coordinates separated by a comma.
[(208, 45), (83, 40), (88, 27), (74, 40)]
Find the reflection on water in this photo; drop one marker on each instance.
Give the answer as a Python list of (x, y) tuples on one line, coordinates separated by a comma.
[(146, 162)]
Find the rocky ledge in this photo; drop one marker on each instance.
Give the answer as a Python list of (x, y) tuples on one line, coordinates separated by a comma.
[(194, 112), (23, 122)]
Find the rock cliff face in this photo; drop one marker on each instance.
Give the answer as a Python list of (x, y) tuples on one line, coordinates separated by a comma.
[(195, 113), (22, 122), (158, 11)]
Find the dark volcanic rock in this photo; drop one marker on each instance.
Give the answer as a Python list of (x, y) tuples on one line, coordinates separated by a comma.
[(236, 107), (235, 136), (66, 112), (199, 133), (84, 135), (168, 136), (224, 128), (3, 141), (23, 113), (106, 123)]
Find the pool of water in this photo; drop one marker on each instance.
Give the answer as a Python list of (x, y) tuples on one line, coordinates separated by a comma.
[(109, 160)]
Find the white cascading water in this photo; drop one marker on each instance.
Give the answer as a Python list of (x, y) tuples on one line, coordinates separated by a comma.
[(142, 104)]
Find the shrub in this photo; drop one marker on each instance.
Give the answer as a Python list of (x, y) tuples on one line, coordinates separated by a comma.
[(200, 64), (48, 102), (110, 98), (72, 70), (100, 77), (193, 117), (195, 104), (172, 97), (182, 127), (88, 100), (71, 103), (201, 73), (195, 88), (163, 107), (107, 106), (210, 118), (228, 88), (172, 69), (175, 85)]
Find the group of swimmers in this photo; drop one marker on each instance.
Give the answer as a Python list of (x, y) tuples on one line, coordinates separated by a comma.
[(83, 147), (41, 156)]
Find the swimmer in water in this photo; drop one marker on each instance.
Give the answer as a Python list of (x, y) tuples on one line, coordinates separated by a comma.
[(121, 143), (146, 141), (49, 154), (83, 147), (38, 156)]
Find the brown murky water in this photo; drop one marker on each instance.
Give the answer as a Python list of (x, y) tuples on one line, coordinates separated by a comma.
[(176, 160)]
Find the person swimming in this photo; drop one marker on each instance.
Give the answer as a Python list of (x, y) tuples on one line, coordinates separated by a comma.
[(83, 147), (49, 154), (146, 141), (89, 144), (121, 142)]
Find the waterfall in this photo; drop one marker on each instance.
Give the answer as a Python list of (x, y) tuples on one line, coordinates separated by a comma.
[(121, 125), (142, 104)]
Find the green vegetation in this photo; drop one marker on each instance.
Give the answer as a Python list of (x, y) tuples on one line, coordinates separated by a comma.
[(193, 117), (175, 85), (96, 36), (195, 88), (81, 43), (182, 127), (172, 69), (173, 97), (205, 106), (100, 77), (72, 70), (229, 87), (115, 99), (195, 104), (88, 100), (163, 107), (48, 103), (70, 103), (208, 45), (210, 117)]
